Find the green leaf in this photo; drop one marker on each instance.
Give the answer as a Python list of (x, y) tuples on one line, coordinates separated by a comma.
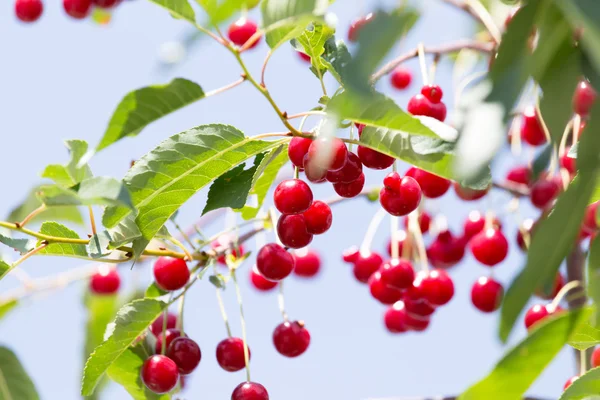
[(143, 106), (72, 173), (283, 20), (154, 291), (221, 10), (124, 232), (21, 245), (131, 321), (232, 188), (263, 179), (584, 337), (593, 277), (521, 365), (15, 383), (126, 372), (99, 245), (99, 190), (6, 307), (61, 249), (586, 386), (217, 280), (312, 43), (31, 202), (336, 58), (180, 9), (4, 269)]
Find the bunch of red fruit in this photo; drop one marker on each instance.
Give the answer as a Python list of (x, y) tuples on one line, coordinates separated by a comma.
[(31, 10)]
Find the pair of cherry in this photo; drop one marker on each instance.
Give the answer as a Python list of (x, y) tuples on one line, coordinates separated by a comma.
[(31, 10), (307, 264), (543, 192)]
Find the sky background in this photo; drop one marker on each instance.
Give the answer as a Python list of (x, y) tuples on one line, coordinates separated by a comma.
[(62, 79)]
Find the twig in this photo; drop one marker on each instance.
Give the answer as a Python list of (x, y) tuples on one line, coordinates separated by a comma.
[(92, 220), (32, 215), (479, 12), (226, 87)]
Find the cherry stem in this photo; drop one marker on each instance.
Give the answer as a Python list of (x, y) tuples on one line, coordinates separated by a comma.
[(281, 301), (481, 14), (184, 235), (306, 114), (163, 348), (264, 67), (32, 215), (243, 323), (273, 216), (422, 64), (223, 312), (415, 230), (177, 243), (226, 87), (582, 362), (433, 67), (489, 220), (180, 309), (562, 293), (296, 172), (365, 247), (394, 240), (576, 128)]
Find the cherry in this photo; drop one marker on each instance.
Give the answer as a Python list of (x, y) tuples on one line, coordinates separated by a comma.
[(170, 335), (307, 263), (328, 153), (274, 262), (28, 10), (395, 318), (78, 9), (416, 323), (241, 31), (260, 282), (157, 326), (313, 172), (527, 227), (365, 265), (400, 77), (417, 307), (105, 281), (352, 189), (446, 250), (467, 194), (559, 282), (186, 354), (230, 354), (250, 391), (584, 98), (428, 103), (297, 149), (349, 173), (293, 232), (399, 196), (105, 3), (596, 358), (424, 222), (291, 339), (382, 292), (171, 273), (373, 159), (520, 175), (400, 238), (357, 25), (432, 186), (397, 274), (570, 382), (537, 313), (318, 218), (475, 223), (303, 56), (531, 128), (225, 243), (589, 220), (568, 163), (544, 192), (489, 246), (159, 374), (292, 196), (350, 255), (487, 294), (437, 287)]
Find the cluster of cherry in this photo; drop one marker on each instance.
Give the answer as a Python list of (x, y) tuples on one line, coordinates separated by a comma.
[(31, 10)]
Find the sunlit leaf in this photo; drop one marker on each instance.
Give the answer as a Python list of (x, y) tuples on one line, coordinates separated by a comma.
[(74, 172), (61, 249), (178, 8), (587, 387)]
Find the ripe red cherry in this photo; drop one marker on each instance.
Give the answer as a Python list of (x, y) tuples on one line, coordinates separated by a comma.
[(395, 318), (170, 335), (318, 218), (531, 128), (365, 265), (171, 273), (419, 104), (486, 294), (400, 77), (230, 354), (382, 292), (399, 196), (250, 391), (537, 313), (350, 171), (297, 149), (584, 98), (157, 325), (467, 194), (559, 282), (400, 238), (352, 189), (227, 244), (350, 255), (489, 246), (105, 281), (416, 323), (596, 358), (328, 153), (589, 220), (78, 9), (293, 232), (446, 250), (437, 287), (417, 307), (424, 222), (105, 3), (373, 159), (520, 175), (570, 382), (291, 339), (433, 92), (527, 227), (432, 186), (274, 262), (241, 30), (568, 163), (475, 223), (543, 193), (159, 374), (307, 263), (356, 26), (398, 274), (28, 10), (292, 196), (260, 282), (186, 354)]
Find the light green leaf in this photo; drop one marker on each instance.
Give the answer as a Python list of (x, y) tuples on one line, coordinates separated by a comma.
[(180, 9), (217, 280), (99, 190), (154, 291), (4, 269), (99, 245), (61, 249), (31, 202), (21, 245), (15, 383), (72, 173), (593, 277), (6, 307), (312, 43), (585, 387), (336, 58), (143, 106), (221, 10), (124, 232), (584, 337), (131, 321)]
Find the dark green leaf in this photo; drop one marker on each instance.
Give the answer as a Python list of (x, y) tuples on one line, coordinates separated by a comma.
[(99, 245), (217, 280), (20, 245), (75, 171), (336, 58), (541, 162), (143, 106), (4, 269), (99, 190), (61, 249), (593, 277), (178, 8), (6, 307), (15, 383), (31, 202), (586, 387)]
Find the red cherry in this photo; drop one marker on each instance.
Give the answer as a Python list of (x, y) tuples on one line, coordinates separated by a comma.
[(227, 244), (433, 93), (397, 274), (274, 262), (293, 232), (250, 391), (350, 255), (432, 186), (373, 159), (159, 374), (186, 354), (318, 218), (313, 172), (519, 175), (157, 325), (78, 9), (468, 194), (570, 382), (105, 3), (241, 31), (399, 196), (291, 339), (171, 273), (350, 171), (475, 223), (382, 292), (527, 226), (170, 334), (531, 128), (437, 287), (230, 354), (400, 238), (260, 282), (537, 313), (395, 317), (297, 149), (487, 294), (421, 105), (446, 250), (105, 281), (416, 323), (357, 25), (544, 192), (417, 307), (584, 98), (559, 282), (365, 265), (303, 56), (568, 163), (489, 247), (307, 263), (328, 153), (589, 220), (424, 222), (595, 361), (292, 196), (28, 10), (352, 189), (400, 78)]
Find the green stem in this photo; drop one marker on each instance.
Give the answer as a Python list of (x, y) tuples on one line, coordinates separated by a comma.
[(243, 323)]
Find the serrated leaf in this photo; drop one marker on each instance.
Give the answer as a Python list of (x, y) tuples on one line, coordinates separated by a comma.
[(64, 249), (72, 173), (99, 190), (154, 291), (126, 231), (4, 269), (31, 202), (143, 106), (336, 58), (584, 337), (131, 321), (221, 10), (312, 43), (587, 387), (593, 277), (99, 245), (15, 383), (180, 9), (21, 245), (6, 307)]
